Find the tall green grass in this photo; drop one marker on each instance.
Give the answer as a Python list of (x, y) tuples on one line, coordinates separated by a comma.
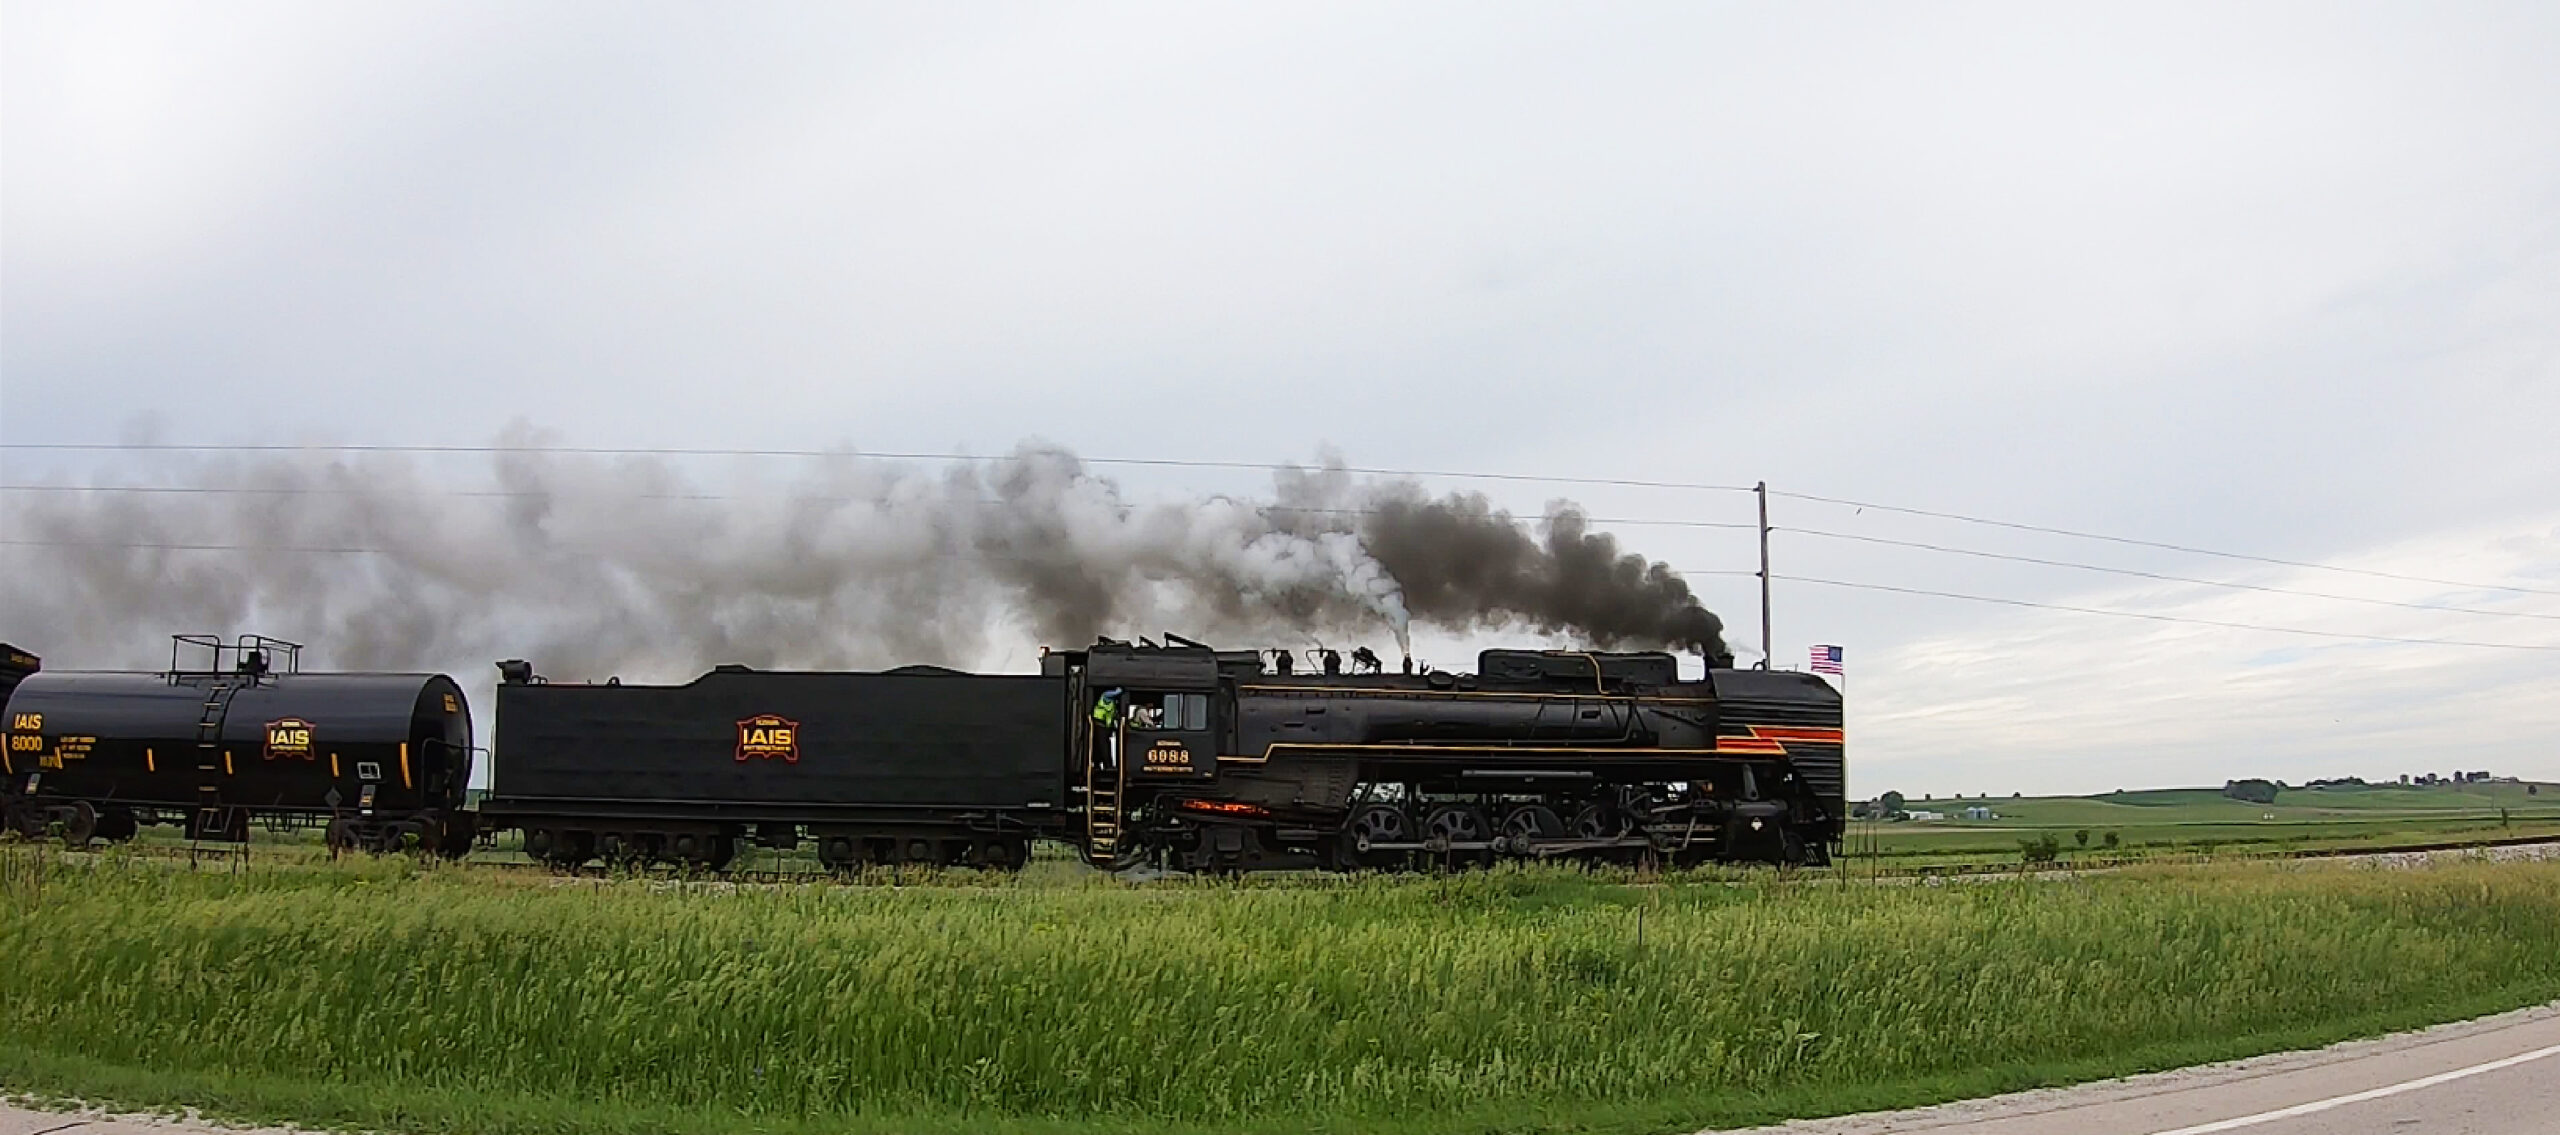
[(461, 999)]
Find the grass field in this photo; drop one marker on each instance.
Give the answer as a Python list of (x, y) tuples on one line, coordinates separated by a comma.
[(2187, 821), (378, 994)]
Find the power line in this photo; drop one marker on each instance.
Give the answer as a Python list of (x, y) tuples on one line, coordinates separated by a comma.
[(2164, 618), (505, 494), (154, 546), (878, 455), (2163, 546), (2164, 578), (359, 550)]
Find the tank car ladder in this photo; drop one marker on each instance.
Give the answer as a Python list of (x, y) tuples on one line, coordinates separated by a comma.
[(1102, 809), (211, 815)]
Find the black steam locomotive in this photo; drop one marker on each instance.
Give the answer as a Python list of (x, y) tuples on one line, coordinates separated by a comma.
[(1177, 755), (1218, 762)]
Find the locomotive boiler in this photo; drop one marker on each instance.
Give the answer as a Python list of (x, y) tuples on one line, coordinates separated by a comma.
[(233, 733)]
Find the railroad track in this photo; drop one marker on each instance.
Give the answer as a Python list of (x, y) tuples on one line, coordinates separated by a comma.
[(240, 857)]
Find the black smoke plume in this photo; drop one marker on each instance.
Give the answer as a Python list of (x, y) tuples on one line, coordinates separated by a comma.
[(1463, 562), (593, 566)]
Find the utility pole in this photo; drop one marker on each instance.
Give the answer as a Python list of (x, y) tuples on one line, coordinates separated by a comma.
[(1762, 490)]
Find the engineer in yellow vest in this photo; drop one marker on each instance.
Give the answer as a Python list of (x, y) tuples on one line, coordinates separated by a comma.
[(1106, 719)]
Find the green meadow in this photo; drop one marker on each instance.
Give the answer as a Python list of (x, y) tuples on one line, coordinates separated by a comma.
[(386, 995), (2187, 822)]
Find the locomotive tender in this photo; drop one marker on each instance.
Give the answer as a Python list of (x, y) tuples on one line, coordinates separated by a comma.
[(919, 764), (1176, 755)]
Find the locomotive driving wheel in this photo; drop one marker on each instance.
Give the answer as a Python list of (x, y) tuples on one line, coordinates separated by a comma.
[(1375, 824), (1528, 825), (1459, 823), (1601, 821)]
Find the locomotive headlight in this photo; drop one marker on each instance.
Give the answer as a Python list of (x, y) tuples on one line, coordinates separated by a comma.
[(1755, 824)]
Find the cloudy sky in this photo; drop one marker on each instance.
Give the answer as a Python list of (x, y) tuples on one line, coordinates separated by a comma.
[(2274, 279)]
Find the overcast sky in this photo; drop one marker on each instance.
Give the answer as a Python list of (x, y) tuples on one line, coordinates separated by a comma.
[(2278, 279)]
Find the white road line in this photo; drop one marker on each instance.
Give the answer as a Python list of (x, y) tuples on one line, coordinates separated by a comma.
[(2359, 1097)]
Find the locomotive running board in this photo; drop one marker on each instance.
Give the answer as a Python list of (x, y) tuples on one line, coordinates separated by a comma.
[(1541, 849)]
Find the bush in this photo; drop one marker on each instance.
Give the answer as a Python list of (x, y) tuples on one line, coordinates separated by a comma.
[(2041, 849)]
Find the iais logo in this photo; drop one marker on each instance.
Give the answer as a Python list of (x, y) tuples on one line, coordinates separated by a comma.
[(289, 738), (768, 736)]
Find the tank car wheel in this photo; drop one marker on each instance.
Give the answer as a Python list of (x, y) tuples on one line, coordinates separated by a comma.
[(458, 830), (28, 821), (116, 825), (340, 836), (79, 825)]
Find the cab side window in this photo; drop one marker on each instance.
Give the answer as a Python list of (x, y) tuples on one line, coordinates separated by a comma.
[(1170, 711)]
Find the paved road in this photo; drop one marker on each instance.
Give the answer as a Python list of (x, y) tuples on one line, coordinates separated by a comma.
[(2494, 1076)]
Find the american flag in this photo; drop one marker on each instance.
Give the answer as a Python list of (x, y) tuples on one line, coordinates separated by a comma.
[(1826, 660)]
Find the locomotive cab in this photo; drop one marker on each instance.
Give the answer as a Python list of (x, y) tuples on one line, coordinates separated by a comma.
[(1153, 710)]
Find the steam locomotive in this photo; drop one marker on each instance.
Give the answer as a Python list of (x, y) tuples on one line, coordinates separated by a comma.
[(1173, 754)]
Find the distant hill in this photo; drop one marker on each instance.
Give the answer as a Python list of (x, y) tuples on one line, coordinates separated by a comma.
[(2209, 805)]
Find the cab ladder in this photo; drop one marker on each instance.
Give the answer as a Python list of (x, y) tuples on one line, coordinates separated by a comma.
[(1102, 812)]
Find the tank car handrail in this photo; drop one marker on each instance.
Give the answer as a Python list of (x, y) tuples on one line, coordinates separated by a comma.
[(253, 655)]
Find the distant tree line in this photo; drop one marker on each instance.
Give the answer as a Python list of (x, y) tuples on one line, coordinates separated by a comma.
[(2253, 790)]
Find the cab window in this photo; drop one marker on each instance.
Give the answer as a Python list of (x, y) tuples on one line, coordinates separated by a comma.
[(1170, 712)]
